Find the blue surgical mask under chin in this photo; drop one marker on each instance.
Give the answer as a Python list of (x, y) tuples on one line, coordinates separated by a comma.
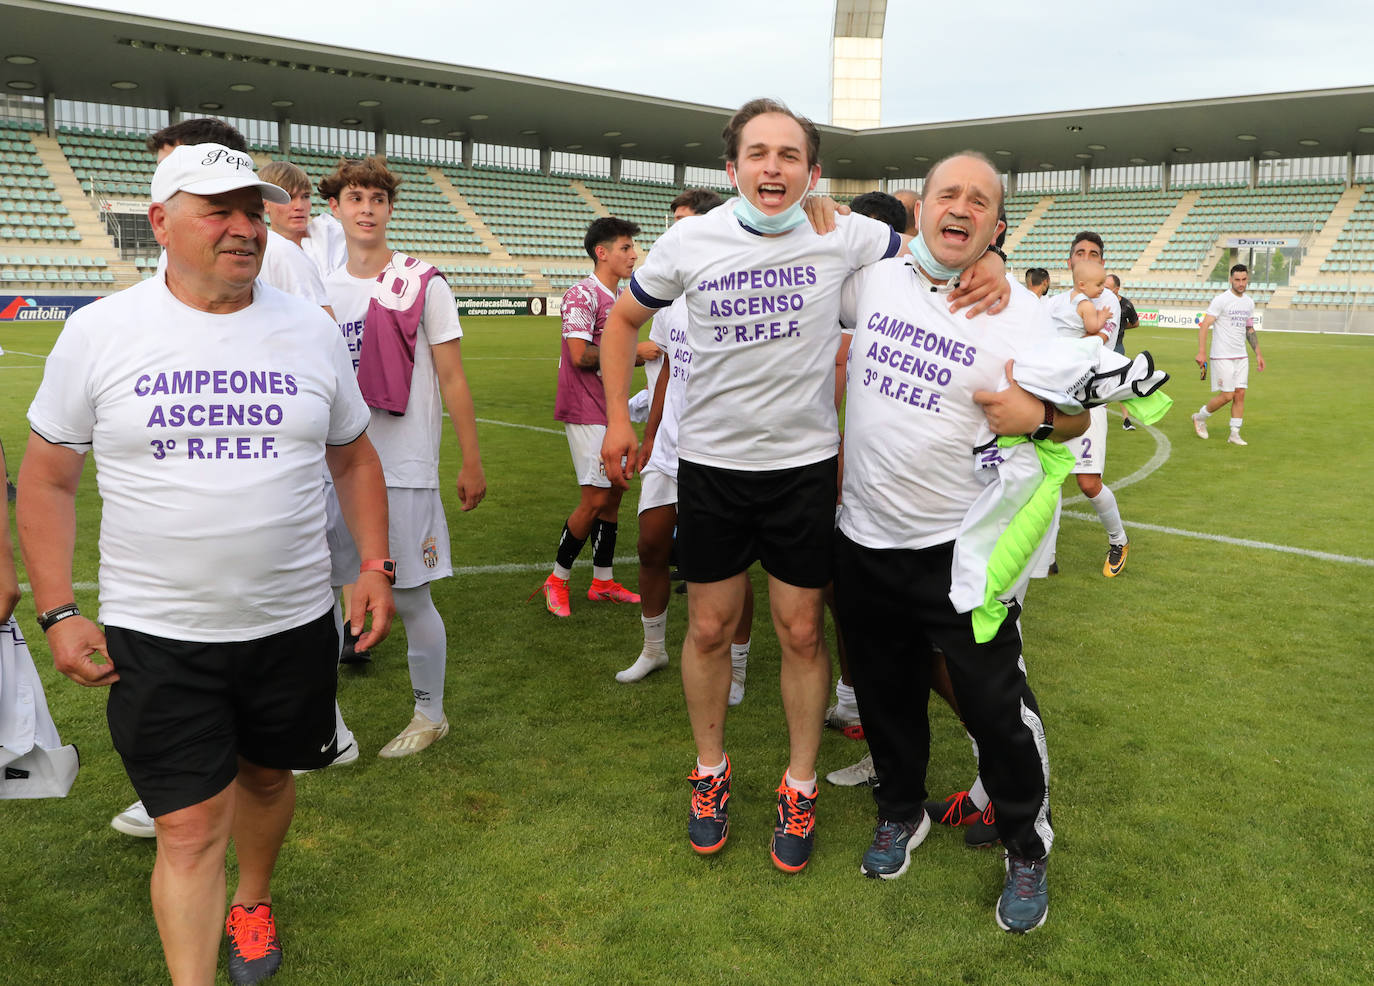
[(927, 262), (790, 218)]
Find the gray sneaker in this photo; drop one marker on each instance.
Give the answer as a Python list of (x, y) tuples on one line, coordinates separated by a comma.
[(855, 774), (889, 854), (1025, 900)]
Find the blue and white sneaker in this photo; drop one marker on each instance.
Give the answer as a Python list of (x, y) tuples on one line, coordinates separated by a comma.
[(889, 854), (1025, 900)]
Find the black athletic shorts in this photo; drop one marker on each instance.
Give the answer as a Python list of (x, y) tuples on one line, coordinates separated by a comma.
[(729, 518), (183, 712)]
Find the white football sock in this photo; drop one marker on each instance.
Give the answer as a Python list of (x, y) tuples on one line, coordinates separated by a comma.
[(715, 771), (1107, 512), (426, 650), (807, 788), (1235, 423)]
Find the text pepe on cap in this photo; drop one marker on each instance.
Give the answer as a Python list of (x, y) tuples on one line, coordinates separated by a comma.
[(209, 169)]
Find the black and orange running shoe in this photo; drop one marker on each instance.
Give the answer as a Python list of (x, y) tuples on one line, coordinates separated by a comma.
[(254, 949), (983, 832), (795, 831), (708, 823), (958, 809)]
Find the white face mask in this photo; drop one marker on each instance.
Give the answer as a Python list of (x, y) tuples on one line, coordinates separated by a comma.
[(750, 214)]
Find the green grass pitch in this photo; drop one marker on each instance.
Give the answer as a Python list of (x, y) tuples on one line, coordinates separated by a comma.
[(1208, 717)]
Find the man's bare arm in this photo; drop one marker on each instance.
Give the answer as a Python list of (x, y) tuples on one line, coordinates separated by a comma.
[(585, 355), (1015, 411), (619, 338), (453, 386), (1203, 326), (46, 512)]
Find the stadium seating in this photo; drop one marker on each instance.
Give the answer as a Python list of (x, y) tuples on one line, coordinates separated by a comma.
[(1126, 219), (532, 214), (540, 220), (1353, 252), (1266, 210), (31, 210)]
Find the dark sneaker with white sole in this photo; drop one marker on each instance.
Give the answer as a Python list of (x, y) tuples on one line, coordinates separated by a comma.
[(889, 854)]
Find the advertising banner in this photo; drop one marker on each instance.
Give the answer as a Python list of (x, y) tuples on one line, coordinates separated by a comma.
[(507, 305), (41, 308)]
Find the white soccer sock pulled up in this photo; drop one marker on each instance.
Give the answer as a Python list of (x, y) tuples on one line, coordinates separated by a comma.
[(846, 705), (1235, 423), (1203, 413), (426, 650), (1110, 515)]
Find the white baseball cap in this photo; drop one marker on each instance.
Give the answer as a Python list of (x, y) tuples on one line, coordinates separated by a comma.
[(208, 169)]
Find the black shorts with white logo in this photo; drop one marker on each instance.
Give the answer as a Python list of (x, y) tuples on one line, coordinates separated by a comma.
[(183, 712), (729, 518)]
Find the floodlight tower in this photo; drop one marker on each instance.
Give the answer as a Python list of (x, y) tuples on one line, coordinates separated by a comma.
[(856, 72)]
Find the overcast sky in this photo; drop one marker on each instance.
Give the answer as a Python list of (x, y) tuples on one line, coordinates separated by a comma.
[(994, 58)]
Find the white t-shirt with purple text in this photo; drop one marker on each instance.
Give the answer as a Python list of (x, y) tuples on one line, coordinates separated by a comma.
[(763, 329), (910, 420), (208, 433)]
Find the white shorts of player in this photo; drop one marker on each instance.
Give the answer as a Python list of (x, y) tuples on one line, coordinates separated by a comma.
[(584, 441), (417, 536), (656, 489), (1230, 374), (1090, 448)]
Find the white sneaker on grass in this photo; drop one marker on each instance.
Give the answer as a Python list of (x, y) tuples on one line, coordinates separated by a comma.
[(135, 820), (1200, 426), (419, 735), (855, 774), (1235, 439), (348, 753), (643, 666)]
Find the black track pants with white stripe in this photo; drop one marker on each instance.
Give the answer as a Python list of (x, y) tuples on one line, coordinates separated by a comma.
[(893, 605)]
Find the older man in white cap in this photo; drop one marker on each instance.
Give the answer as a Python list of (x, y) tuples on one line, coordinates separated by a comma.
[(212, 405)]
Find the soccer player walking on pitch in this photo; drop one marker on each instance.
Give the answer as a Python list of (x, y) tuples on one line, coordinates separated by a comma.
[(1233, 314)]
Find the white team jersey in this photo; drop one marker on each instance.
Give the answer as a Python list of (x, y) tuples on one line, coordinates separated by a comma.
[(209, 434), (407, 444), (762, 325), (1234, 314), (910, 421), (1063, 313), (325, 245), (669, 333), (286, 267)]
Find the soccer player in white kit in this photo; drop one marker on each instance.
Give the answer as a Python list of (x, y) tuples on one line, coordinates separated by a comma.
[(397, 315), (917, 378), (1233, 314), (1090, 450)]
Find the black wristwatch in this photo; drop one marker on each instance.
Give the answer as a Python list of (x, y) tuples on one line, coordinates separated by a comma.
[(1046, 428)]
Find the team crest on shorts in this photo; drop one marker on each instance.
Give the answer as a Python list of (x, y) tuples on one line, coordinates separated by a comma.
[(429, 551)]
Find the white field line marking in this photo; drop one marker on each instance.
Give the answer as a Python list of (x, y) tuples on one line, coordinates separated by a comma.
[(15, 352), (512, 424), (24, 366), (1238, 542), (1163, 449)]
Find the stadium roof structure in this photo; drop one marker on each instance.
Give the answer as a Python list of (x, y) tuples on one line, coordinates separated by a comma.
[(89, 55)]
